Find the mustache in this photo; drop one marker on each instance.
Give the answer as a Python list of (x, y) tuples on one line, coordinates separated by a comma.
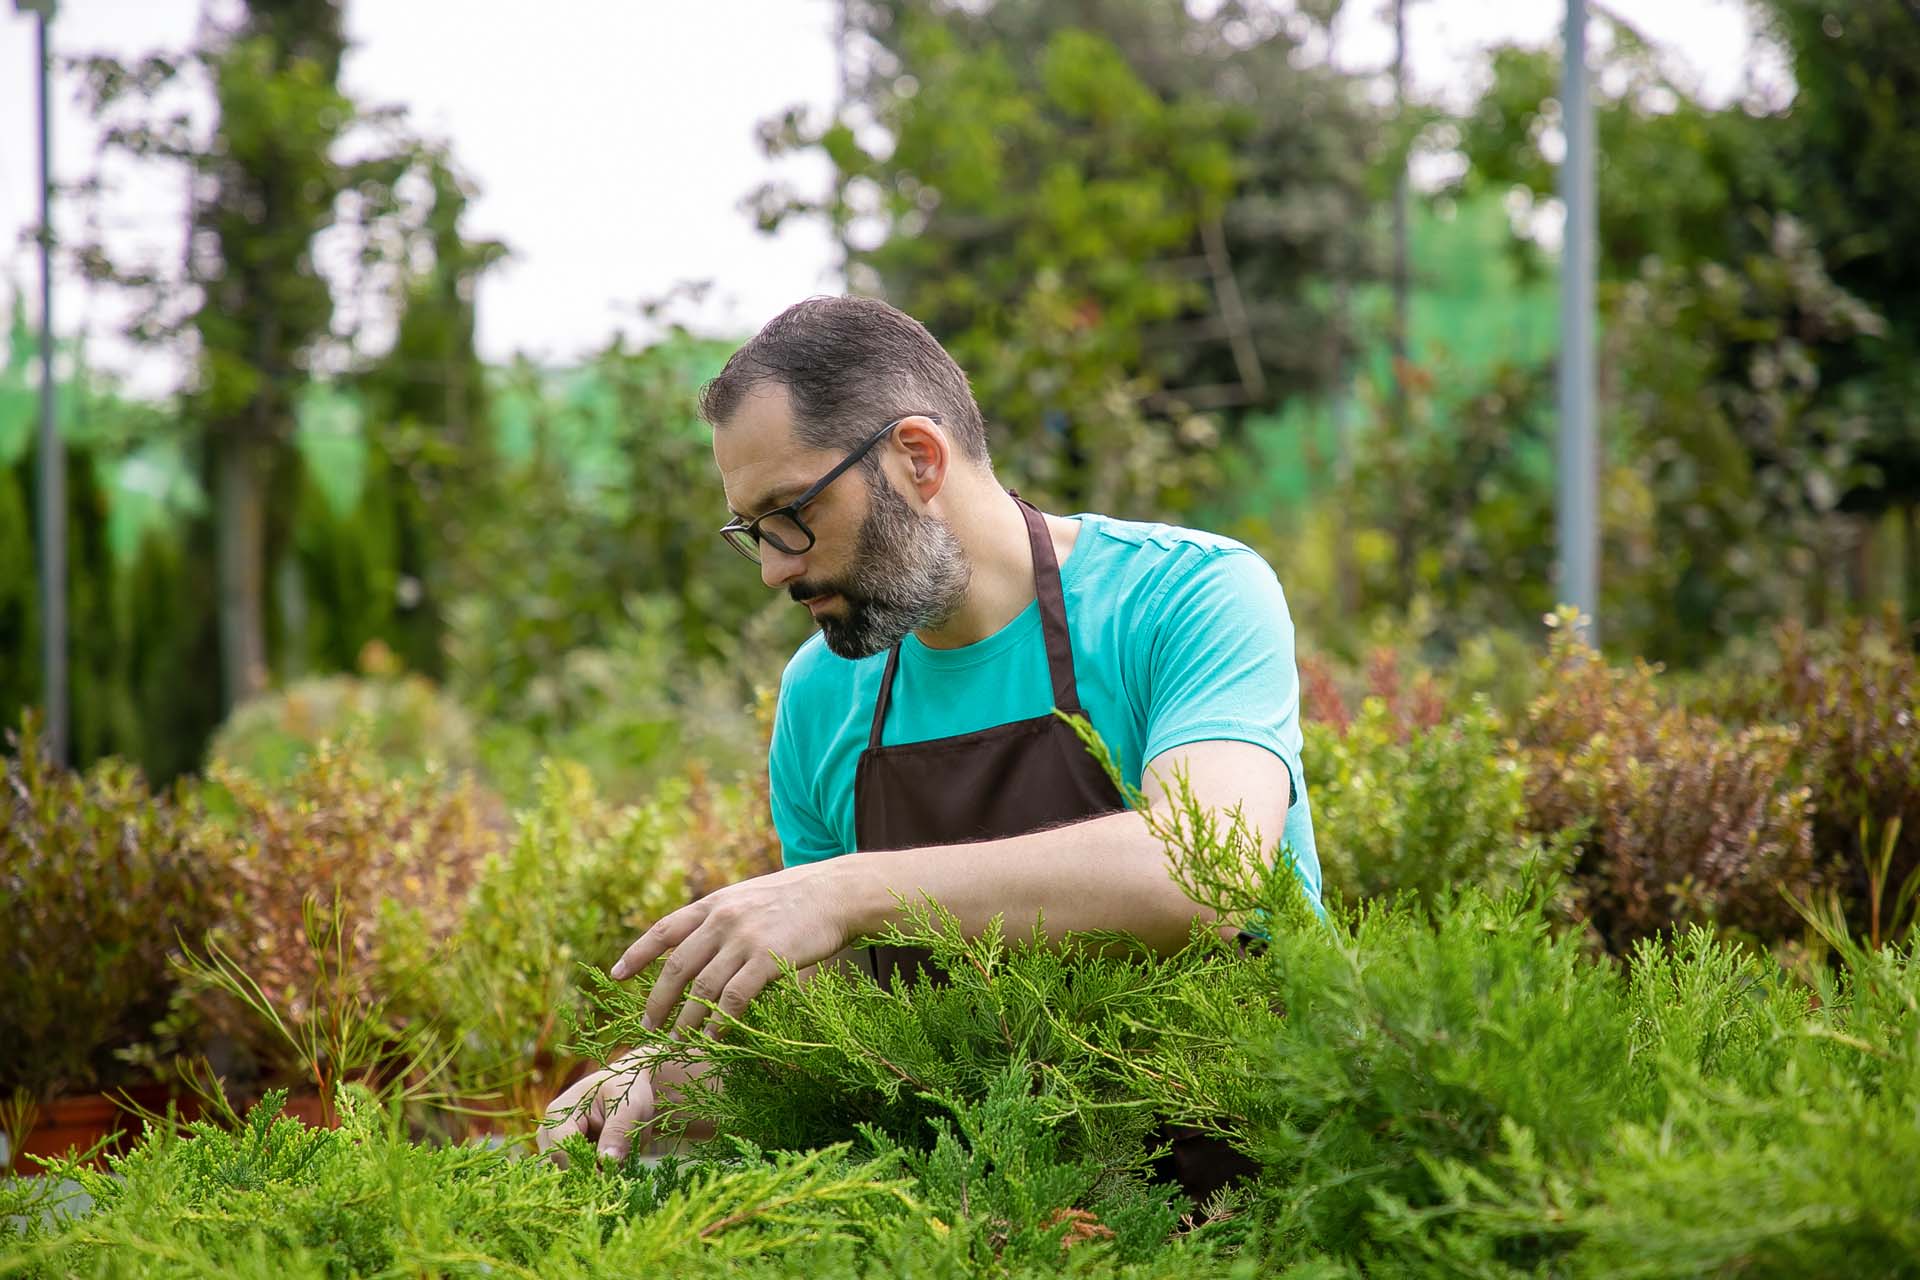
[(801, 592)]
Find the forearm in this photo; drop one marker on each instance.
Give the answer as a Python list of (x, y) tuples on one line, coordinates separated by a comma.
[(1104, 873), (1108, 874)]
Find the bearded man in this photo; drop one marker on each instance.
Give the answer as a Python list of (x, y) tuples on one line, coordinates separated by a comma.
[(915, 752)]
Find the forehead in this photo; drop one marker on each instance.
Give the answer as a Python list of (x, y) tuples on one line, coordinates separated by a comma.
[(761, 465)]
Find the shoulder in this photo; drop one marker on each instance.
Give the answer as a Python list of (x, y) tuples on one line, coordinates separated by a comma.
[(1137, 556), (1153, 540)]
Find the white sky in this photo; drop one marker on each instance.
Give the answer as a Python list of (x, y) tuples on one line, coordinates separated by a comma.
[(613, 140)]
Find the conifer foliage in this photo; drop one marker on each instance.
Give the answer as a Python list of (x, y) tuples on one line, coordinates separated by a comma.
[(1450, 1087)]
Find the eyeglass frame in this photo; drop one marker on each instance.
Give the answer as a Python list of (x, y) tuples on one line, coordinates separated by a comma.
[(750, 546)]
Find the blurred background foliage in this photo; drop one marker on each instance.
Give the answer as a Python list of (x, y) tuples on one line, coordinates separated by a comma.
[(438, 683), (1158, 242)]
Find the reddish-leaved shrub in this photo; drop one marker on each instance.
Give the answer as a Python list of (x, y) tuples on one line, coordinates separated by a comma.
[(1410, 704), (335, 842), (1686, 820), (1853, 693)]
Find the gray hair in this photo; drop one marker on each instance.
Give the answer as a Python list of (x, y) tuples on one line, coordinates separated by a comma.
[(850, 366)]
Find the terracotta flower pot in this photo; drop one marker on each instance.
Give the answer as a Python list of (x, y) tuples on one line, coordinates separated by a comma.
[(311, 1110), (78, 1121)]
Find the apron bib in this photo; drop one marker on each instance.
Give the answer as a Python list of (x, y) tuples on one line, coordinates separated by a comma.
[(1008, 780)]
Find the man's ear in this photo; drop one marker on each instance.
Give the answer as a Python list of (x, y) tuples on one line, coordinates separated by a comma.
[(928, 453)]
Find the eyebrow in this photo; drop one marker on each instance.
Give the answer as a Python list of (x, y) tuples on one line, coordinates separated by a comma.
[(781, 495)]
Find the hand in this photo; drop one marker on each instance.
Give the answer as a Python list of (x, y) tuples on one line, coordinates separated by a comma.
[(724, 945), (607, 1108)]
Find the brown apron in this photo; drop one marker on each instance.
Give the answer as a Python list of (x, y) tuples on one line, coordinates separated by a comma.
[(1008, 780)]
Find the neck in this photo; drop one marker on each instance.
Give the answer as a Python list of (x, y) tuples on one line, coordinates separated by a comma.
[(993, 533)]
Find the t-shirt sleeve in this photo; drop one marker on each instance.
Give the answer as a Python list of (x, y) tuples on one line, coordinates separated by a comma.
[(803, 830), (1220, 661)]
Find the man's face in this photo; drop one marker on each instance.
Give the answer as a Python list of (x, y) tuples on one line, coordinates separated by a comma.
[(879, 566)]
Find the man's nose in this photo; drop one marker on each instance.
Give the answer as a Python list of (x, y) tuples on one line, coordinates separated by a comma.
[(777, 567)]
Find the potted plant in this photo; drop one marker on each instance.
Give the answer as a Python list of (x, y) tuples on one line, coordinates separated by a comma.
[(98, 878), (292, 985)]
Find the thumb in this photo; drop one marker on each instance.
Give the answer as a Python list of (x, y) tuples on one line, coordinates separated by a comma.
[(629, 1110)]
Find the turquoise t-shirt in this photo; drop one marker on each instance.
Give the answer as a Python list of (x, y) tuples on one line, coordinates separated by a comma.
[(1179, 636)]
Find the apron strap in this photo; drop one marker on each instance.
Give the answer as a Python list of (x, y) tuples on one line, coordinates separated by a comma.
[(886, 696), (1053, 609), (1053, 626)]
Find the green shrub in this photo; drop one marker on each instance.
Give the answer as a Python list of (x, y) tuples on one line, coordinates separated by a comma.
[(98, 876), (1452, 1090), (577, 883), (271, 1198), (1684, 820), (1425, 808), (632, 709), (1789, 1149), (1407, 1043), (404, 722)]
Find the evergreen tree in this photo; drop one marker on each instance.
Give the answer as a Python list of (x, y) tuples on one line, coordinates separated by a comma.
[(1117, 215), (252, 305)]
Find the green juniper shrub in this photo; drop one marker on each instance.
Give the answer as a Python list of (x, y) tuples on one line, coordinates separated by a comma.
[(1455, 1089), (1702, 1008), (995, 1172), (270, 1197), (1107, 1038), (832, 1058), (271, 1192), (1407, 1042), (1683, 819), (98, 878), (1455, 1092), (1789, 1151)]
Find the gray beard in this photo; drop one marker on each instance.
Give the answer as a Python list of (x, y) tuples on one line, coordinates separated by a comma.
[(908, 572)]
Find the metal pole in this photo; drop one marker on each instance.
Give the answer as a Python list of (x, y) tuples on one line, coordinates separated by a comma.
[(53, 463), (843, 78), (1401, 285), (1579, 532)]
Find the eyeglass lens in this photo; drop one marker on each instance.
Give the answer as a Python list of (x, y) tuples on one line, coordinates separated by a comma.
[(782, 531)]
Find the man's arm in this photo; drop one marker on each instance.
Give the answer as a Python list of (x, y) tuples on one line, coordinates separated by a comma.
[(1104, 873)]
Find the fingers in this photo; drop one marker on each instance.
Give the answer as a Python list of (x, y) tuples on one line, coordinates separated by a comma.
[(749, 982), (630, 1110), (706, 989), (578, 1110), (667, 933), (690, 962)]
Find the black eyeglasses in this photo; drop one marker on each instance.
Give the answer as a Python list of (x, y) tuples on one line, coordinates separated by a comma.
[(783, 526)]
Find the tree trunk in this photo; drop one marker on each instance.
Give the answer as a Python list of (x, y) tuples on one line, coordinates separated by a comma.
[(240, 531), (1910, 561), (1859, 565)]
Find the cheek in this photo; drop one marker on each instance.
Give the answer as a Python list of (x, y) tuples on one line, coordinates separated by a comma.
[(836, 539)]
